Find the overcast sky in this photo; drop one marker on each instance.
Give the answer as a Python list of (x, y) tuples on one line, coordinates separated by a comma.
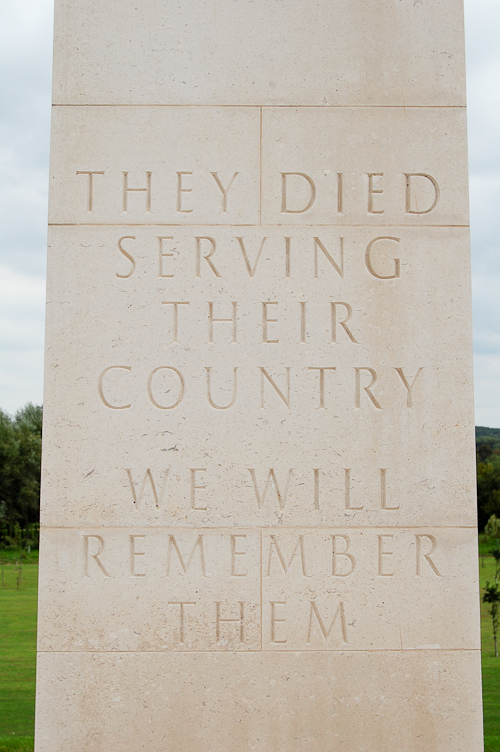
[(25, 72)]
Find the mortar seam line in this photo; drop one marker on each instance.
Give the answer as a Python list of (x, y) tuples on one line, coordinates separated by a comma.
[(244, 652), (278, 106), (260, 527), (284, 227)]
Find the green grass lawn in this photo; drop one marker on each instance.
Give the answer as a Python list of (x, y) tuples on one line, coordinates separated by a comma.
[(18, 651), (491, 666), (18, 593)]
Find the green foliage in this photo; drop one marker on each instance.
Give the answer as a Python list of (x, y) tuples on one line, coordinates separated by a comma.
[(488, 475), (492, 529), (495, 552), (488, 489), (488, 436), (491, 596), (20, 458)]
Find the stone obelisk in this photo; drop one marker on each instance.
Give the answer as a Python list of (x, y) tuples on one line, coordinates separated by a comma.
[(258, 514)]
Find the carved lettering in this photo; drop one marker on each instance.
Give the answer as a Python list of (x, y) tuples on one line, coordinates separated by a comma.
[(90, 186), (319, 620), (409, 196), (270, 380), (235, 553), (181, 388), (175, 320), (275, 620), (212, 320), (127, 255), (284, 200), (299, 546), (207, 257), (383, 490), (384, 554), (287, 257), (162, 255), (342, 322), (369, 260), (302, 321), (166, 386), (347, 490), (251, 269), (173, 546), (372, 190), (146, 190), (95, 556), (101, 387), (336, 554), (271, 477), (427, 556), (148, 478), (316, 487), (322, 383), (209, 393), (267, 320), (195, 487), (340, 193), (180, 190), (408, 386), (223, 190), (181, 617), (367, 389), (339, 268), (239, 620), (135, 554)]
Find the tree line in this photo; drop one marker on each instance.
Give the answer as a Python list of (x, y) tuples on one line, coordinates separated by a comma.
[(488, 474), (20, 457)]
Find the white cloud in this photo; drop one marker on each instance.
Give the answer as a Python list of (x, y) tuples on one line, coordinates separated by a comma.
[(25, 85), (487, 390), (22, 305), (483, 90)]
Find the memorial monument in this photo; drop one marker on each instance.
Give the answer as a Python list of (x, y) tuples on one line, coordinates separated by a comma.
[(258, 512)]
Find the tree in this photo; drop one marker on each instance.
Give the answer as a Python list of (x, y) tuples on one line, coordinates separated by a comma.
[(491, 595), (492, 529), (20, 457), (483, 452), (488, 489)]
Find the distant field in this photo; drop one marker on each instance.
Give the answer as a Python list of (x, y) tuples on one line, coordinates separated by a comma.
[(17, 659)]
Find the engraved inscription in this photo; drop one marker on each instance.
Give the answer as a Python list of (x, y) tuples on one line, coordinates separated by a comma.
[(268, 589), (334, 489), (430, 542), (275, 548), (146, 190), (316, 620), (166, 386), (261, 495), (375, 193), (173, 547), (320, 254), (140, 497)]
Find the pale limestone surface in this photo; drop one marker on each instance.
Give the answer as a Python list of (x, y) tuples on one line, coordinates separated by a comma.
[(323, 52), (258, 513), (412, 701)]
